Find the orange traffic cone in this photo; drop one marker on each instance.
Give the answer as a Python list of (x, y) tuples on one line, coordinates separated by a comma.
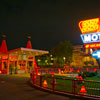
[(45, 83), (0, 72), (38, 73), (83, 90)]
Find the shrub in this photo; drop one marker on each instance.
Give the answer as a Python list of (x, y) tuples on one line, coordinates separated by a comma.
[(88, 74)]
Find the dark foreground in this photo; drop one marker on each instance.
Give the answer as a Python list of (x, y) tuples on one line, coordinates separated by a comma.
[(18, 88)]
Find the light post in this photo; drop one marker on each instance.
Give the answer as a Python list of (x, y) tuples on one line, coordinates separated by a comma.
[(64, 59)]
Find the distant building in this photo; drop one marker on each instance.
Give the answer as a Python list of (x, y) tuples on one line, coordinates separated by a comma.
[(82, 57)]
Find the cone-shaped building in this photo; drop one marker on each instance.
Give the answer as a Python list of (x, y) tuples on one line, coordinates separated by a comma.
[(19, 60), (29, 45), (3, 48)]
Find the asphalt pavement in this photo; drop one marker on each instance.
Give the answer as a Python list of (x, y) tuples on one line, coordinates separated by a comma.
[(14, 87)]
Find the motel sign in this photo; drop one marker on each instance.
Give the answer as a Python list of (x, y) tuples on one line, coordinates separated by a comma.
[(90, 38)]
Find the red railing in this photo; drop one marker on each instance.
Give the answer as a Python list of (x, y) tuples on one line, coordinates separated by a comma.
[(67, 86)]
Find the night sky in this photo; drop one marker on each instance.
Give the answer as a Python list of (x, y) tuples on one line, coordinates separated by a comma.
[(48, 21)]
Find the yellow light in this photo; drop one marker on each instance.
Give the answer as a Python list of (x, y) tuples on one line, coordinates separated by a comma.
[(38, 73), (89, 26)]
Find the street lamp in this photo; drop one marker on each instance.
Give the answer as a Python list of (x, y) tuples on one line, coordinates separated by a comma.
[(64, 59)]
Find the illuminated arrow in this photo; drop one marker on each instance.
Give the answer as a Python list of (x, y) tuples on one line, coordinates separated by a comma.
[(96, 54)]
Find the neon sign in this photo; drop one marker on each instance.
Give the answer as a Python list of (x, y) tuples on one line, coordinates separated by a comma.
[(90, 38), (94, 45), (96, 54), (90, 26)]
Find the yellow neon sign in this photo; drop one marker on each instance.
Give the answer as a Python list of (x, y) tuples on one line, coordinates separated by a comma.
[(89, 26)]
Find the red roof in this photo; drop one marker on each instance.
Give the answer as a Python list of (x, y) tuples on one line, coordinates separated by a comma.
[(29, 46), (3, 48)]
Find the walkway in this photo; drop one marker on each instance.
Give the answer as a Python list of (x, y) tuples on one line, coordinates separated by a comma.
[(18, 88)]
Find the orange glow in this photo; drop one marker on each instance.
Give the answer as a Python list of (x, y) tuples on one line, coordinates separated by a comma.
[(90, 26), (62, 71), (83, 90), (5, 57), (38, 73), (59, 71), (94, 45), (0, 72), (78, 71), (45, 83), (13, 57)]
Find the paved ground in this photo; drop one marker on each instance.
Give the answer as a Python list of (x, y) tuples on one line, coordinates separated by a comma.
[(18, 88)]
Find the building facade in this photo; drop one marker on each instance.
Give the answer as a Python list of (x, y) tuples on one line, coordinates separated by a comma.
[(82, 57)]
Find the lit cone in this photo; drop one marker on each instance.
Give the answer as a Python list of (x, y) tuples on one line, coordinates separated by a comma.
[(45, 83), (38, 73), (83, 90), (0, 72)]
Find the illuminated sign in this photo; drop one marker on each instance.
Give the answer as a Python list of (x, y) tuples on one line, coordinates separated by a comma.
[(96, 54), (94, 45), (90, 26), (90, 38)]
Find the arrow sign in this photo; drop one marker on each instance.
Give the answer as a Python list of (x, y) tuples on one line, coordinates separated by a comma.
[(96, 54)]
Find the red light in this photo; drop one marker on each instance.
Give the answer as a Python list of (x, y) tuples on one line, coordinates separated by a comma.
[(95, 69), (87, 69), (94, 45), (83, 90)]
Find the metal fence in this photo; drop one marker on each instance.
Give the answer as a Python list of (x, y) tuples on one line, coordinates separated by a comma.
[(65, 85)]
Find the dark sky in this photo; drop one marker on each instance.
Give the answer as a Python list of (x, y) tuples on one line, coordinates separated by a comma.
[(48, 21)]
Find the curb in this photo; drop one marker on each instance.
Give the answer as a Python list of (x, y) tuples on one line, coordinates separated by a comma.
[(63, 93)]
